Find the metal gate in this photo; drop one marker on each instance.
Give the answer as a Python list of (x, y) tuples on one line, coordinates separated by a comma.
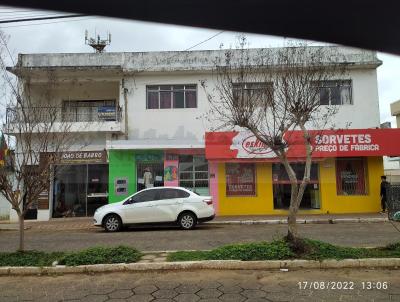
[(393, 200)]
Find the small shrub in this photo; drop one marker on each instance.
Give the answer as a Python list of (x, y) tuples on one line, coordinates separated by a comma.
[(101, 255)]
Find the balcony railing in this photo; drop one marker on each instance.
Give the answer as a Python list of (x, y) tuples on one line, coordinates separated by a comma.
[(62, 114)]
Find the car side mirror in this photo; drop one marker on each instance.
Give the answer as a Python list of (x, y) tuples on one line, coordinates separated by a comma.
[(129, 201)]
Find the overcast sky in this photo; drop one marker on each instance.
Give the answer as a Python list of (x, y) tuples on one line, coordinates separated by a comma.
[(67, 35)]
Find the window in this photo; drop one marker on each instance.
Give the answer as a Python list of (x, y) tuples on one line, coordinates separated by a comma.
[(240, 179), (335, 93), (89, 111), (171, 96), (282, 186), (144, 196), (350, 176), (173, 193), (246, 93), (193, 173)]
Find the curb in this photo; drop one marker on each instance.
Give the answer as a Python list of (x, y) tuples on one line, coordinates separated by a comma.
[(393, 263), (303, 221), (7, 227)]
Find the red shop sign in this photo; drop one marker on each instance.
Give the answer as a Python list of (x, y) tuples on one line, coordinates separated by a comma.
[(325, 143)]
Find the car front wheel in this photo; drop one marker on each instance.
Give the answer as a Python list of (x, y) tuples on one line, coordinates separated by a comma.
[(112, 223), (187, 221)]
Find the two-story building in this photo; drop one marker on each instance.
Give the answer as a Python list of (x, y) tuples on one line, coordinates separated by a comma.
[(146, 129)]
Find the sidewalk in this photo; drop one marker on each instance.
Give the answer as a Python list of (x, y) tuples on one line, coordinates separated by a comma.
[(83, 223)]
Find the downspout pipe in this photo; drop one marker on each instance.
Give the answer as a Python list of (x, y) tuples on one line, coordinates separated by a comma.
[(125, 92)]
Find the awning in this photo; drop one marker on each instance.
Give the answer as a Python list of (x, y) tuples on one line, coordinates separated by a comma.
[(240, 146), (154, 144)]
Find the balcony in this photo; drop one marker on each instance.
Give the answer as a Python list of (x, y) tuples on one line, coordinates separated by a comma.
[(74, 119)]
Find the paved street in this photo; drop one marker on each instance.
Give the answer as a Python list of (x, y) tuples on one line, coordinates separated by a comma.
[(204, 237), (202, 286)]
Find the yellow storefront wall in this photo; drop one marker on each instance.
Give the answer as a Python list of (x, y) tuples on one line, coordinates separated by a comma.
[(335, 204), (262, 203)]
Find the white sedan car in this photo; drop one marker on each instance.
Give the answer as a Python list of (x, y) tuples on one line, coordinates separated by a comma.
[(156, 205)]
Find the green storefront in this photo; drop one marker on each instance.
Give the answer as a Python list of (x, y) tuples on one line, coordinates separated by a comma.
[(133, 170)]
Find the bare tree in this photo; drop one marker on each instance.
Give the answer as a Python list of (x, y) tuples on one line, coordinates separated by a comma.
[(37, 133), (271, 92)]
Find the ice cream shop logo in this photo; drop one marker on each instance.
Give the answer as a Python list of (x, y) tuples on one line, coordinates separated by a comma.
[(255, 146), (248, 146)]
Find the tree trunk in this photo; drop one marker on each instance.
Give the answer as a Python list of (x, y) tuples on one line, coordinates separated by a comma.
[(294, 206), (21, 231), (292, 224)]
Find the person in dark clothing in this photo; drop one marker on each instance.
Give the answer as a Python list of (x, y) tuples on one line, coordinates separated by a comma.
[(384, 187)]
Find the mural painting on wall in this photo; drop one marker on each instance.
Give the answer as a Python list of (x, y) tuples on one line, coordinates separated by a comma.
[(170, 173), (171, 164)]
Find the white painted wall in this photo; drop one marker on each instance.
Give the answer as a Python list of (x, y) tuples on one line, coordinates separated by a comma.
[(137, 70), (187, 125), (5, 208)]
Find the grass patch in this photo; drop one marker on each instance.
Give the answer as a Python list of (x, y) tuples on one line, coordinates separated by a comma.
[(95, 255), (274, 250), (101, 255), (281, 250), (29, 258), (318, 250)]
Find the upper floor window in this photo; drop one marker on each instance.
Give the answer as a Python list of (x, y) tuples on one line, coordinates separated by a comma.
[(89, 111), (335, 92), (171, 96), (244, 93)]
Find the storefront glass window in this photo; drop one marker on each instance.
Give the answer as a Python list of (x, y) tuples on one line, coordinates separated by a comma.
[(282, 187), (350, 176), (150, 174), (193, 173), (240, 179), (78, 190)]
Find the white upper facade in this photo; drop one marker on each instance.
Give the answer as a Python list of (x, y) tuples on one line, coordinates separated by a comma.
[(127, 79)]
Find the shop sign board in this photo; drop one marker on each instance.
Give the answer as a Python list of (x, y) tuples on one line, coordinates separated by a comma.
[(149, 157), (74, 157), (325, 143)]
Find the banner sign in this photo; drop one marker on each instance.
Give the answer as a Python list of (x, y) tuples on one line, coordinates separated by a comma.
[(325, 143), (240, 179), (106, 113)]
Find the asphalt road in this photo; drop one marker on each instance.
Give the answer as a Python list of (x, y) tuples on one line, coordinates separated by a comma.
[(204, 237), (211, 286)]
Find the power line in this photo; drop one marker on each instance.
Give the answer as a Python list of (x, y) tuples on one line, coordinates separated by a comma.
[(187, 49), (208, 39), (43, 18), (43, 23), (28, 16)]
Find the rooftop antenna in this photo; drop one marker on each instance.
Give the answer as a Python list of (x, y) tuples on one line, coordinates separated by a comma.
[(96, 43)]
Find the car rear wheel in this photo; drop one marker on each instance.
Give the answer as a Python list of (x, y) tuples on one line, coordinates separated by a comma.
[(112, 223), (187, 221)]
